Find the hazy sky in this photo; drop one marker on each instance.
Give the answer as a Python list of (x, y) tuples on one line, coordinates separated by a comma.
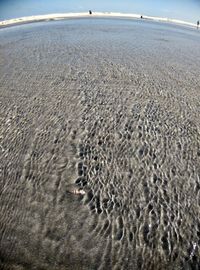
[(188, 10)]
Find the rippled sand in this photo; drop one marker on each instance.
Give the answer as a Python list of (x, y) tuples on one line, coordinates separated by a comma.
[(109, 109)]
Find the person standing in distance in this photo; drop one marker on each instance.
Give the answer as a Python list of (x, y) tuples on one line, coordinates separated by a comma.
[(197, 24)]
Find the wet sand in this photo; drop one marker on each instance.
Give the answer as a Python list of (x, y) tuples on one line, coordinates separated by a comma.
[(109, 109)]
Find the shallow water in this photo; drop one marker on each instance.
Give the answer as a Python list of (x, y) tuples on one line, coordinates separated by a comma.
[(111, 108)]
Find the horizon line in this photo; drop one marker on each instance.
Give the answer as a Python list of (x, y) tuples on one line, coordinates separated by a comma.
[(62, 16)]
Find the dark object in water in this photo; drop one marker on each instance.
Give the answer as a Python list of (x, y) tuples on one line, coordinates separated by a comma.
[(197, 24), (141, 17), (90, 12)]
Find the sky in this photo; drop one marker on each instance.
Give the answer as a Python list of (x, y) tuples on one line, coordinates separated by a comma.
[(187, 10)]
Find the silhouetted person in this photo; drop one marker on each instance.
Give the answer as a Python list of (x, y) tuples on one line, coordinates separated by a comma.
[(197, 24), (141, 17), (90, 12)]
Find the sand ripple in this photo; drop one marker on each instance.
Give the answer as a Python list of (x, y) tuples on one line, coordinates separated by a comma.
[(99, 146)]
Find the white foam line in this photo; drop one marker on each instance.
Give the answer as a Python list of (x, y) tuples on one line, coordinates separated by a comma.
[(60, 16)]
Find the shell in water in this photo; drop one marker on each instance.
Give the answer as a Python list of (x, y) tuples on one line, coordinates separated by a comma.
[(74, 189)]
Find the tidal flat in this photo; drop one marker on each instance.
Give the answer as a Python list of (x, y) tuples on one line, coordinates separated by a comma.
[(99, 146)]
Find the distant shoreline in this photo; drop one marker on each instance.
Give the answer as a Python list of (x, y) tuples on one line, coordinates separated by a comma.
[(62, 16)]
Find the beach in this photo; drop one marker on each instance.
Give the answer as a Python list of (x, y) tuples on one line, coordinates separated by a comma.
[(65, 16), (99, 145)]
